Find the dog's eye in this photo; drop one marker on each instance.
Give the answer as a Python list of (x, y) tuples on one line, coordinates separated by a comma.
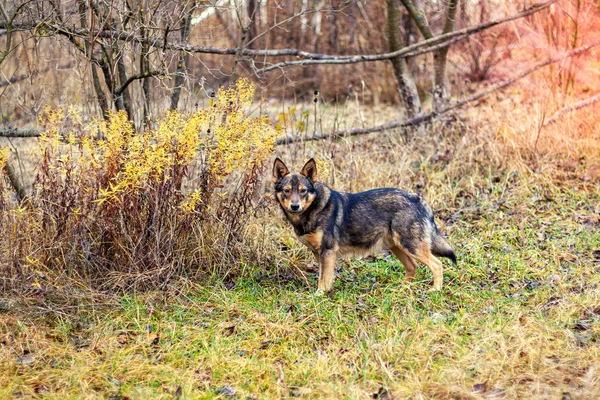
[(287, 191), (302, 191)]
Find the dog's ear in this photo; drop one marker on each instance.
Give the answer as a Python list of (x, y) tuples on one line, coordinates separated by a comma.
[(279, 170), (310, 170)]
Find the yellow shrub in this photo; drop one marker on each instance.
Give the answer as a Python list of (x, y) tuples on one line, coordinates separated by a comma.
[(110, 199)]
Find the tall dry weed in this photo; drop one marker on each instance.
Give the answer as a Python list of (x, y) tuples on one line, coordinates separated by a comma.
[(114, 207)]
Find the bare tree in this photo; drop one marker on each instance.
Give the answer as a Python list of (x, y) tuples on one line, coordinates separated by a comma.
[(123, 47), (183, 58), (406, 83), (441, 91)]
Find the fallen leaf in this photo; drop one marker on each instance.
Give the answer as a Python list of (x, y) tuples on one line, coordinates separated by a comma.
[(480, 387), (589, 375), (178, 392), (229, 330), (360, 302), (382, 394), (494, 394), (155, 339), (582, 325), (26, 360), (226, 390)]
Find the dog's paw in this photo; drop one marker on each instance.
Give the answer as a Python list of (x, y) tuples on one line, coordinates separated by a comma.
[(320, 292)]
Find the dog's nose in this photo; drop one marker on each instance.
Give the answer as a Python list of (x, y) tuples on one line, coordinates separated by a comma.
[(295, 207)]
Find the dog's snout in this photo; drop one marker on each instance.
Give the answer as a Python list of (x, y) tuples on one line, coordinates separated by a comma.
[(295, 206)]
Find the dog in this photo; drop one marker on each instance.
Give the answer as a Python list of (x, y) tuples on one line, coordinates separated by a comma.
[(334, 223)]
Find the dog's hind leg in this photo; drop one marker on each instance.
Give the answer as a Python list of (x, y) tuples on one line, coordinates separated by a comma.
[(409, 265), (434, 265)]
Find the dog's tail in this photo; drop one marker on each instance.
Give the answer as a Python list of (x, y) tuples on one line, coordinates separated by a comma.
[(440, 246)]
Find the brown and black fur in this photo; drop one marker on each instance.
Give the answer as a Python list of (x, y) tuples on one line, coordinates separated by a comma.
[(333, 223)]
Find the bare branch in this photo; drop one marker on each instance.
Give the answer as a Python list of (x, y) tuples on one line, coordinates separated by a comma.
[(419, 18), (437, 42), (8, 25), (160, 43), (12, 132), (565, 110), (149, 74), (507, 82), (22, 77), (15, 182), (403, 53), (428, 117), (19, 133)]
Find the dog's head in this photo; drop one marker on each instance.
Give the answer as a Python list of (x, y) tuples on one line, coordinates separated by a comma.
[(295, 192)]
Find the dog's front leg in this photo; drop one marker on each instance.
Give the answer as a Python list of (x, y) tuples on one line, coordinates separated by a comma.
[(326, 269), (320, 276)]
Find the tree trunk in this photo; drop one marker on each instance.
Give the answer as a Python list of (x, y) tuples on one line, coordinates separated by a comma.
[(124, 99), (145, 67), (406, 84), (15, 182), (411, 37), (182, 60), (100, 95), (441, 91), (252, 14)]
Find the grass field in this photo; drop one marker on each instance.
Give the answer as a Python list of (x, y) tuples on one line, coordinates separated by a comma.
[(128, 272), (519, 317)]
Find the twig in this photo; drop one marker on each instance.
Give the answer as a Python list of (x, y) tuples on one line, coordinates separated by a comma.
[(136, 77), (22, 77), (565, 110), (535, 67)]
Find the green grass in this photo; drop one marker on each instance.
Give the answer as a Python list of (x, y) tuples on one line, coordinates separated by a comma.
[(519, 317)]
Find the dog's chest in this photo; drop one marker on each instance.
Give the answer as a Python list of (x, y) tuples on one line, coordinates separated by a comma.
[(312, 240)]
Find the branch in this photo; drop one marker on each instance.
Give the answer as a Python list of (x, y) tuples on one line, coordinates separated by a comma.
[(450, 16), (12, 132), (507, 82), (404, 53), (437, 42), (159, 42), (19, 78), (565, 110), (419, 19), (419, 119), (120, 90), (428, 117), (19, 133), (15, 182)]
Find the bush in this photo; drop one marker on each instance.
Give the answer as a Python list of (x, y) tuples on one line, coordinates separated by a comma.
[(114, 207)]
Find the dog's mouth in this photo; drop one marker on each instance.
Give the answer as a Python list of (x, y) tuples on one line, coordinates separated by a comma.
[(295, 211)]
